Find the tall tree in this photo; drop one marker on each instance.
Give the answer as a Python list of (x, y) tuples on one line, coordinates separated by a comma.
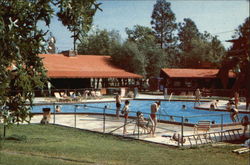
[(146, 42), (21, 69), (163, 23), (140, 34), (198, 49), (77, 16), (238, 57), (187, 32), (129, 57), (99, 42)]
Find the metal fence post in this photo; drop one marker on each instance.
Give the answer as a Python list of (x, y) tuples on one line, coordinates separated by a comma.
[(182, 127), (138, 126), (221, 126), (54, 104), (104, 118), (75, 115)]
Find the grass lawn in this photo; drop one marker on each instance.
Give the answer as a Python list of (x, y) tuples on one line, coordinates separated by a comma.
[(55, 145)]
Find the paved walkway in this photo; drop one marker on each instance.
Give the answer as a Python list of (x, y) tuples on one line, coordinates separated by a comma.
[(222, 106), (115, 126)]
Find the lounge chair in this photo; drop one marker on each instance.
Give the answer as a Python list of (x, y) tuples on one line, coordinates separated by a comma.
[(86, 94), (98, 94), (65, 96), (73, 96), (93, 94), (59, 97), (203, 125)]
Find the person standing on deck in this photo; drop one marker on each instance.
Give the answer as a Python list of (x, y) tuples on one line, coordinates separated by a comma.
[(234, 114), (197, 96), (154, 108), (236, 99), (118, 105), (125, 111)]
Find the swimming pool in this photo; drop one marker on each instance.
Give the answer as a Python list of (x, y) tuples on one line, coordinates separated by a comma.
[(167, 109)]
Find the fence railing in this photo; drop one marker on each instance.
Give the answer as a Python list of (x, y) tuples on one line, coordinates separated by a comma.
[(107, 123)]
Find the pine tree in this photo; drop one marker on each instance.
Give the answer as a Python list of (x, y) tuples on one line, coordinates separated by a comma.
[(163, 23)]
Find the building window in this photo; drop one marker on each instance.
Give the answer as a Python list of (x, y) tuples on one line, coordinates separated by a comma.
[(177, 84)]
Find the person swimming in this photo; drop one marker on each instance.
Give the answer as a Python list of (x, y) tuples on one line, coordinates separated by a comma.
[(58, 108)]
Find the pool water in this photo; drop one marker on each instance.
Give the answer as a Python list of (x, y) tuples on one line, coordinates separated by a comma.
[(166, 110)]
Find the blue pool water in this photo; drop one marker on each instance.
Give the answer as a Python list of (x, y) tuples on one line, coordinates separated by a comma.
[(166, 110)]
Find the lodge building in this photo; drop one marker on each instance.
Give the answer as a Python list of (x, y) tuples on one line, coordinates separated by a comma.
[(67, 71), (185, 81)]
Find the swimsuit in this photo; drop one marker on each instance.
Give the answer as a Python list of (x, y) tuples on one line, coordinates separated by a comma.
[(118, 105), (153, 116), (126, 115)]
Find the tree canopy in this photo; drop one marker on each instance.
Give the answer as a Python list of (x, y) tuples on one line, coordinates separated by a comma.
[(77, 16), (21, 41), (238, 58), (198, 49), (99, 42), (187, 32)]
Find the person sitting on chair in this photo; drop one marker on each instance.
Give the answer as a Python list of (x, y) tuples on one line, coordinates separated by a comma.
[(144, 124)]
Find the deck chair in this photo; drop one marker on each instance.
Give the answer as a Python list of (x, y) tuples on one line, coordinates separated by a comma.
[(65, 96), (73, 96), (58, 97), (85, 94), (123, 92), (98, 94), (93, 94), (145, 125), (203, 125)]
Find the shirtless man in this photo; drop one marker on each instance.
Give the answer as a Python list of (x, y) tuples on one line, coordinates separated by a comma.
[(236, 99), (197, 95), (118, 104), (234, 114), (125, 111), (154, 108)]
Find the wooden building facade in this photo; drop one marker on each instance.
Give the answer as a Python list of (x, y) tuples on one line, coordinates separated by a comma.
[(85, 71), (185, 81)]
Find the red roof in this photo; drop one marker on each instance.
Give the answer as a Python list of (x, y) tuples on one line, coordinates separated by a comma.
[(193, 73), (83, 66)]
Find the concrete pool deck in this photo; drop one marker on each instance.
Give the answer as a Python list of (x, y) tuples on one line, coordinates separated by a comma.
[(222, 106), (95, 122), (114, 126)]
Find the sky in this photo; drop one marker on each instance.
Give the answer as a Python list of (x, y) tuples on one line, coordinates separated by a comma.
[(218, 17)]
